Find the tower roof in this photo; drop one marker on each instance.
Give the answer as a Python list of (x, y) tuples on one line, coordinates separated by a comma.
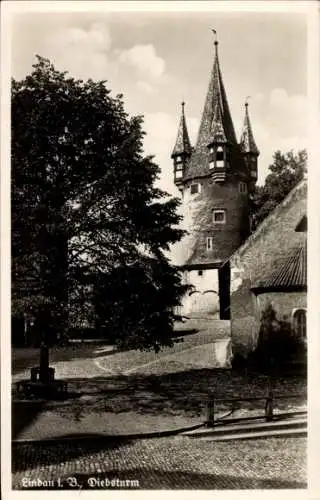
[(216, 95), (247, 142), (217, 129), (182, 144)]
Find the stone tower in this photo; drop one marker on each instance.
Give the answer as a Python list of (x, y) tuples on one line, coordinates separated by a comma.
[(215, 179)]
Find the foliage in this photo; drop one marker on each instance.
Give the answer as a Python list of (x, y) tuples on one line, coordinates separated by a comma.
[(285, 172), (137, 304), (84, 204)]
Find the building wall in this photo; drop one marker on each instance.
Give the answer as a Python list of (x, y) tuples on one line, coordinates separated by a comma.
[(271, 241), (205, 296), (198, 220), (283, 303)]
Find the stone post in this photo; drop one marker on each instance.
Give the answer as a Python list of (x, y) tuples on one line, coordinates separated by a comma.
[(44, 362)]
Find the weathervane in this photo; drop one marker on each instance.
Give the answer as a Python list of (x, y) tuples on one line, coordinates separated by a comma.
[(247, 98), (215, 36)]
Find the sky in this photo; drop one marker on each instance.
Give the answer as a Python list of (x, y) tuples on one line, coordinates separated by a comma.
[(158, 59)]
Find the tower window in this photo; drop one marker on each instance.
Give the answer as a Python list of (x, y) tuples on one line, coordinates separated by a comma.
[(242, 187), (220, 157), (195, 188), (179, 173), (209, 243), (219, 216), (200, 273)]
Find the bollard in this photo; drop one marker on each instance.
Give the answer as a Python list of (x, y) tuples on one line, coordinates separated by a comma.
[(269, 401), (269, 406), (44, 362), (210, 421)]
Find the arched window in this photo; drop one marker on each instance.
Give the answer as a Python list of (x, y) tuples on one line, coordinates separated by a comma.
[(299, 323)]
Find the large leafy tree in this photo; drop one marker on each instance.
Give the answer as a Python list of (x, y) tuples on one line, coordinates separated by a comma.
[(86, 215), (286, 171)]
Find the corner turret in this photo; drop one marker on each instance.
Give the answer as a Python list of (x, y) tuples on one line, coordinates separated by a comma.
[(249, 148), (182, 150)]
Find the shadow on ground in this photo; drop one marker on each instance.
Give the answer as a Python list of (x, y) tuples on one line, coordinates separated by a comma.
[(185, 392), (25, 357), (181, 394), (23, 414), (57, 452)]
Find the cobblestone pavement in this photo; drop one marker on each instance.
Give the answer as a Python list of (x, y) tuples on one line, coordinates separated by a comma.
[(166, 463)]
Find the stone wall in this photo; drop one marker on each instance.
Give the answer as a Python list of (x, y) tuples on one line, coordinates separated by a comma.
[(272, 240), (198, 220), (283, 303)]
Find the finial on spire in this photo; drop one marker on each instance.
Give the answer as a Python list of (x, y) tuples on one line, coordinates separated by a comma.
[(215, 37), (246, 102), (182, 106)]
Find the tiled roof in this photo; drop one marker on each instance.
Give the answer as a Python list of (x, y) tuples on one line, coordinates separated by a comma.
[(182, 144), (199, 162), (247, 142), (217, 130), (297, 193), (289, 273)]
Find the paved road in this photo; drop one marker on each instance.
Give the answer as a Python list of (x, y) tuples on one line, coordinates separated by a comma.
[(166, 463)]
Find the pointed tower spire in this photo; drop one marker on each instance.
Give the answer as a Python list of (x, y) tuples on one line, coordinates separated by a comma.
[(247, 142), (182, 149), (182, 145), (199, 163), (216, 93), (248, 146)]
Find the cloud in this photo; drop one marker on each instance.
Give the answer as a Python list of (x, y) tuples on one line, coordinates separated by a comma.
[(287, 114), (146, 87), (82, 52), (144, 59)]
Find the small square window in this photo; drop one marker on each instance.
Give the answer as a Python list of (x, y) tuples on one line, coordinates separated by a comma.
[(209, 243), (219, 216), (195, 188), (242, 187), (200, 273)]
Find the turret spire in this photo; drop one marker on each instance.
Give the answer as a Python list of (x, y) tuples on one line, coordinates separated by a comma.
[(182, 150), (247, 142), (182, 145)]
